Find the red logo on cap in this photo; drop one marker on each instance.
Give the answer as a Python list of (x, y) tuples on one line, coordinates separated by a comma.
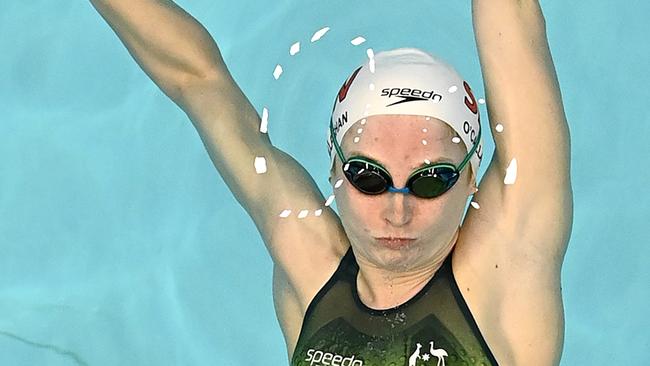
[(471, 104), (346, 86)]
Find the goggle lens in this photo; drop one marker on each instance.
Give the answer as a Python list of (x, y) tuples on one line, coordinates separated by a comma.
[(433, 182), (367, 177)]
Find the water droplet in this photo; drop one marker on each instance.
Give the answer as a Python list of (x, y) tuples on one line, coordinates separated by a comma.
[(265, 121), (320, 33), (511, 172), (295, 48), (357, 41), (329, 200), (277, 72), (260, 165)]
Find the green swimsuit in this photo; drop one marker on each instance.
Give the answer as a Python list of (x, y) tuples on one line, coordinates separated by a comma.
[(435, 327)]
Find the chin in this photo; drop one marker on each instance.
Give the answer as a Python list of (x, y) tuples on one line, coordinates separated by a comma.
[(396, 259)]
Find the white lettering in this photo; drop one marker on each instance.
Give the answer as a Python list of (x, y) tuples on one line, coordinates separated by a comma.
[(336, 360), (317, 358), (318, 355)]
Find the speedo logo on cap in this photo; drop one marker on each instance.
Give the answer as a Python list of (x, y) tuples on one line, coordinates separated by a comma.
[(410, 95)]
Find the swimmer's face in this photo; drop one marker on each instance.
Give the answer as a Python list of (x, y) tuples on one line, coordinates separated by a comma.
[(396, 141)]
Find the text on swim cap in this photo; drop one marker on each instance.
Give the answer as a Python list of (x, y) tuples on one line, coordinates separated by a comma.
[(410, 95), (469, 130), (340, 122)]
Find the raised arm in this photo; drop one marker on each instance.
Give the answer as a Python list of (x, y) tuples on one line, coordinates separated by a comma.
[(530, 220), (170, 46), (180, 56), (523, 95)]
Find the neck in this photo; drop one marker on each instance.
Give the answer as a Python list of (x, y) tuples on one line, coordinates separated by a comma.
[(384, 288)]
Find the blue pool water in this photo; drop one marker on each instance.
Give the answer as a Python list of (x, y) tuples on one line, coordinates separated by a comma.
[(121, 245)]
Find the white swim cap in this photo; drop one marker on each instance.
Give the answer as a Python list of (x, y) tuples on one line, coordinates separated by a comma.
[(412, 82)]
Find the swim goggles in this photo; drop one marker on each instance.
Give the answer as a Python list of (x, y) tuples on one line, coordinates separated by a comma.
[(429, 181)]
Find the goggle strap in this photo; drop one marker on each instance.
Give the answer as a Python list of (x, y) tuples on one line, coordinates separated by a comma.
[(471, 152)]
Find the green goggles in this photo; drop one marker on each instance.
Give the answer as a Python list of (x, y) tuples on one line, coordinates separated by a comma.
[(429, 181)]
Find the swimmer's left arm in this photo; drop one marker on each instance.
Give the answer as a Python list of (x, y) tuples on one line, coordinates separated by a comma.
[(523, 95), (523, 227)]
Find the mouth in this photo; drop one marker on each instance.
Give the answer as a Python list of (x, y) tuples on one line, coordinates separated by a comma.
[(395, 242)]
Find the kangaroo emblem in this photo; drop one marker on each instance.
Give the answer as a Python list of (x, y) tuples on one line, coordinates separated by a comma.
[(415, 355)]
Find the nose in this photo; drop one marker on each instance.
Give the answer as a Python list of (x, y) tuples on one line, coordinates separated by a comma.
[(398, 211)]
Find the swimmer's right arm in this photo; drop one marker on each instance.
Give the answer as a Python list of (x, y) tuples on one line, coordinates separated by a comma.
[(181, 57), (170, 46)]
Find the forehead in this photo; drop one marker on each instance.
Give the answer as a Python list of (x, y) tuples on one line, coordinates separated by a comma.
[(398, 137), (407, 125)]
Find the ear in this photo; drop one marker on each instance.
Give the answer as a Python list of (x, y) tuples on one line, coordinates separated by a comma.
[(474, 186), (472, 183), (333, 170)]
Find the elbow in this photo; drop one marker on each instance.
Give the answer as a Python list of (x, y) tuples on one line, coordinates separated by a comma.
[(195, 93), (192, 85), (213, 75)]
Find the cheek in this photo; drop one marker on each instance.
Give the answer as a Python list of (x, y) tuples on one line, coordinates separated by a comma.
[(451, 210), (347, 199), (351, 213)]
